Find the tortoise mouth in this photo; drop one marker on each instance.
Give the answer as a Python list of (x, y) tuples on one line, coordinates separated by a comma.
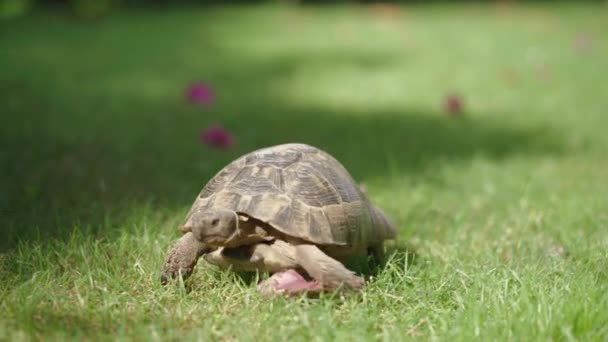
[(239, 253), (215, 240)]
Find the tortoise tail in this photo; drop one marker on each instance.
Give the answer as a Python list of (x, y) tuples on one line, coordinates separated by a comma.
[(384, 228)]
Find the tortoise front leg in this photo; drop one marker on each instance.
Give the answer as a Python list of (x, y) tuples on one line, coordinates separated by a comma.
[(285, 261), (277, 258), (274, 257), (327, 273), (182, 258), (330, 273)]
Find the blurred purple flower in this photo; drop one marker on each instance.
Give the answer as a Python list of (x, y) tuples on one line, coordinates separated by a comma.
[(453, 105), (216, 136), (200, 93)]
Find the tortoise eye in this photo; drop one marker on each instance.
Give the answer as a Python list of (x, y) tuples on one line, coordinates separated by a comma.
[(215, 222)]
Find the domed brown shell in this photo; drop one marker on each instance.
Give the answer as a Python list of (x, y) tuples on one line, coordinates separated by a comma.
[(298, 189)]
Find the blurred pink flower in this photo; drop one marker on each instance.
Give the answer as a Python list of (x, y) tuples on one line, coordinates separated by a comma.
[(216, 136), (544, 72), (453, 105), (582, 42), (200, 93), (509, 76)]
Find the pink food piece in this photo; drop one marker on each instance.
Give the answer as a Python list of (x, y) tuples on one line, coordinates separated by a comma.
[(291, 282)]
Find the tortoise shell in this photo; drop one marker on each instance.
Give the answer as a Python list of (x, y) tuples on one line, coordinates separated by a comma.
[(298, 189)]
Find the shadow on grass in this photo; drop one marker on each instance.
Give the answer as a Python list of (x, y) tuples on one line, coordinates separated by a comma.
[(140, 156), (50, 187)]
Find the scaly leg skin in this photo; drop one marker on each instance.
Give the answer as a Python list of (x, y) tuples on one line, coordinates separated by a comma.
[(331, 273), (182, 258), (275, 257), (328, 275), (284, 261)]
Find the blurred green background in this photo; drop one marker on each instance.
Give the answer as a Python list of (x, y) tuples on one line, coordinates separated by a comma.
[(479, 127), (89, 9)]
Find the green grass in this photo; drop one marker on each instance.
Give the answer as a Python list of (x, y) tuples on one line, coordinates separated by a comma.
[(504, 212)]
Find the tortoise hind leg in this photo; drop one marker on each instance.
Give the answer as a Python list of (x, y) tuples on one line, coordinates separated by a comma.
[(375, 259), (275, 257), (330, 273), (376, 252)]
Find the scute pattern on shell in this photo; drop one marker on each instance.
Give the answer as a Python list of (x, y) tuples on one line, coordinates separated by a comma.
[(298, 189)]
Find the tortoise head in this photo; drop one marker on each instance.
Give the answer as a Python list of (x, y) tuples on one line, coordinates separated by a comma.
[(212, 227)]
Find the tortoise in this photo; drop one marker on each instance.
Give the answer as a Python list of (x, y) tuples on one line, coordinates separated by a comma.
[(291, 210)]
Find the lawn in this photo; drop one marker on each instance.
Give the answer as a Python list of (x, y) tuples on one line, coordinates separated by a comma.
[(502, 212)]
